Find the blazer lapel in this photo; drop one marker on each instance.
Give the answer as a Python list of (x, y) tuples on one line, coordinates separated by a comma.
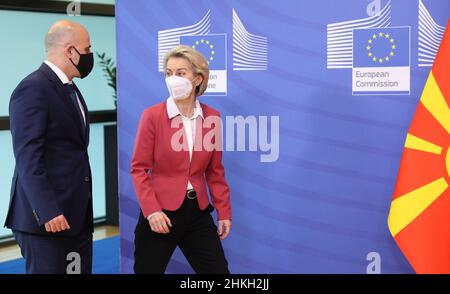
[(198, 138), (178, 122), (175, 128)]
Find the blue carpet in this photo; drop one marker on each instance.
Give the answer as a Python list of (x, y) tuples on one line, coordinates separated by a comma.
[(105, 259)]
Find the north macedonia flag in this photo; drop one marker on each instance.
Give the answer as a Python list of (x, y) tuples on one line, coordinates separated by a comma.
[(419, 218)]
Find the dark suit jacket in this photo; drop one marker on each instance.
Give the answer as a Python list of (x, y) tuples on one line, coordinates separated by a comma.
[(52, 175)]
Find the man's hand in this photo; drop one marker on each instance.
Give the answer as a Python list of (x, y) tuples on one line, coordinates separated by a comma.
[(160, 223), (224, 228), (58, 224)]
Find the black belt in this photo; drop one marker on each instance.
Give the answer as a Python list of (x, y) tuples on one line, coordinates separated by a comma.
[(191, 194)]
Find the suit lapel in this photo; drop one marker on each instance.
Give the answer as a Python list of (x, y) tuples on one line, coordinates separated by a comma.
[(86, 114), (65, 98)]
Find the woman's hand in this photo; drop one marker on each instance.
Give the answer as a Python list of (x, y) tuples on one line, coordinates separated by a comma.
[(224, 228), (160, 223)]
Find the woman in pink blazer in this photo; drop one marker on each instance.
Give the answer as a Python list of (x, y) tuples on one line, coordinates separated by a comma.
[(177, 153)]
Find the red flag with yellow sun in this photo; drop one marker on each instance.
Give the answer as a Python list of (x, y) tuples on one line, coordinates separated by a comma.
[(419, 218)]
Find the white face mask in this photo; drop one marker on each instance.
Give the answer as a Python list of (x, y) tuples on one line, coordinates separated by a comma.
[(179, 88)]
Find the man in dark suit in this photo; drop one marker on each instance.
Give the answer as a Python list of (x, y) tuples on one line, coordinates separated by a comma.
[(50, 212)]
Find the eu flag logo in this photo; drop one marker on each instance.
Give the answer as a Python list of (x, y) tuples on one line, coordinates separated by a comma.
[(381, 61), (381, 47), (211, 46)]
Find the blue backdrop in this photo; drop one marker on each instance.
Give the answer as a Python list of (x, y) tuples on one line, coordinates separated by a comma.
[(322, 206)]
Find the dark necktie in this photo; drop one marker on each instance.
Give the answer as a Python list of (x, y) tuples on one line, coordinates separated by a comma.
[(73, 96)]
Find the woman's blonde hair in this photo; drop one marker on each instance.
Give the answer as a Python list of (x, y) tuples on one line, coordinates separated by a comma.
[(197, 60)]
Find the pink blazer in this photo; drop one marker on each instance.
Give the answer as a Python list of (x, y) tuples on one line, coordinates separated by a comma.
[(160, 173)]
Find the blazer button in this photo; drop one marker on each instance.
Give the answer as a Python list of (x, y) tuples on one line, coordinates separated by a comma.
[(86, 179)]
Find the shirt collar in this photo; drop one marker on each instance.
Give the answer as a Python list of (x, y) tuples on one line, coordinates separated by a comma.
[(61, 75), (172, 109)]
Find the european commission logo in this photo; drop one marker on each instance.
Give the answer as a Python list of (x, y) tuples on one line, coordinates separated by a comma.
[(378, 54), (213, 47), (381, 61), (250, 51)]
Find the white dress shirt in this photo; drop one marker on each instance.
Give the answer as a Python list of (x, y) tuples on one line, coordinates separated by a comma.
[(65, 80), (189, 124)]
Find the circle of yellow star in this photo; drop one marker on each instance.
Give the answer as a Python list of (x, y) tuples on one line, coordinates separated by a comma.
[(209, 45), (371, 43)]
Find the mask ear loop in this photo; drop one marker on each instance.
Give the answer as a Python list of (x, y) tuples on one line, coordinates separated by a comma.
[(78, 55), (76, 50)]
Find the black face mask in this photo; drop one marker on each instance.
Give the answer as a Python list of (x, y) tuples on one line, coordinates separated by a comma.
[(85, 64)]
